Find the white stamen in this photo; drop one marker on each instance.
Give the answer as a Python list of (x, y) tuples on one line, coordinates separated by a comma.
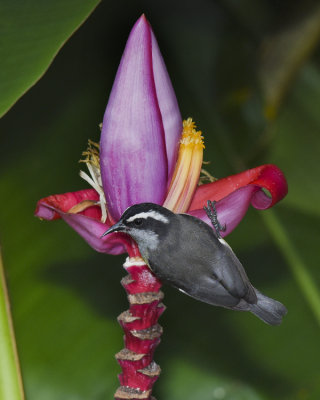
[(94, 181), (151, 214), (87, 178), (92, 173)]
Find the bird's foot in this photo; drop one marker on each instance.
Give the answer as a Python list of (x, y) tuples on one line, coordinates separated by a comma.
[(212, 215)]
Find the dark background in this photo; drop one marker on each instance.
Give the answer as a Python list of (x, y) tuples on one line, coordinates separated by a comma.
[(248, 72)]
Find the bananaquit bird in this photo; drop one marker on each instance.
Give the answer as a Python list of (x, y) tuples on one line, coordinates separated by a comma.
[(185, 252)]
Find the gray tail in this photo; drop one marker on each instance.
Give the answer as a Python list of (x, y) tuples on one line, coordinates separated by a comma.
[(269, 310)]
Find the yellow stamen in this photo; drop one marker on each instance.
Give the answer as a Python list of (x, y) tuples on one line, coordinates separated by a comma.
[(82, 206), (190, 136), (187, 171), (92, 155), (92, 160), (206, 176)]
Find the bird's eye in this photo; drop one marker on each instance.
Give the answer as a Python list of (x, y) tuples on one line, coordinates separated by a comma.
[(138, 221)]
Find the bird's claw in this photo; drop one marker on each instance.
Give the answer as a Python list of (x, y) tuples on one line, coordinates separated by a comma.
[(212, 215)]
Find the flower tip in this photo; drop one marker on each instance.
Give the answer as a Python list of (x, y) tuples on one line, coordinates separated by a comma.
[(143, 17), (144, 20), (141, 23), (139, 37)]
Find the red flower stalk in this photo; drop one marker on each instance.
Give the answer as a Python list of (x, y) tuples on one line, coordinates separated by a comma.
[(142, 331)]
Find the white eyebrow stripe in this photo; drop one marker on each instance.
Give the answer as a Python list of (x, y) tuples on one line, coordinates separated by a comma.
[(151, 214)]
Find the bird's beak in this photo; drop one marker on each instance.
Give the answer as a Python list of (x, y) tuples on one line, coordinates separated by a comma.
[(118, 227)]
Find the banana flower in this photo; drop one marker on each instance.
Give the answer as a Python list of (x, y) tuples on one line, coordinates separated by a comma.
[(148, 154)]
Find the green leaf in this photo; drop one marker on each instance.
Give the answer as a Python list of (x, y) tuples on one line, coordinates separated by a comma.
[(10, 375), (31, 34)]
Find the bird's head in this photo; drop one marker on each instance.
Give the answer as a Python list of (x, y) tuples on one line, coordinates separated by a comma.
[(146, 223)]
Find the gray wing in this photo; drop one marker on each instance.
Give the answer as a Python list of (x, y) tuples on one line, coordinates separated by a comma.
[(220, 258), (232, 276)]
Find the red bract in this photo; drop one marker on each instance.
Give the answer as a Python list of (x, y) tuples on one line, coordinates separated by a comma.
[(233, 194)]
